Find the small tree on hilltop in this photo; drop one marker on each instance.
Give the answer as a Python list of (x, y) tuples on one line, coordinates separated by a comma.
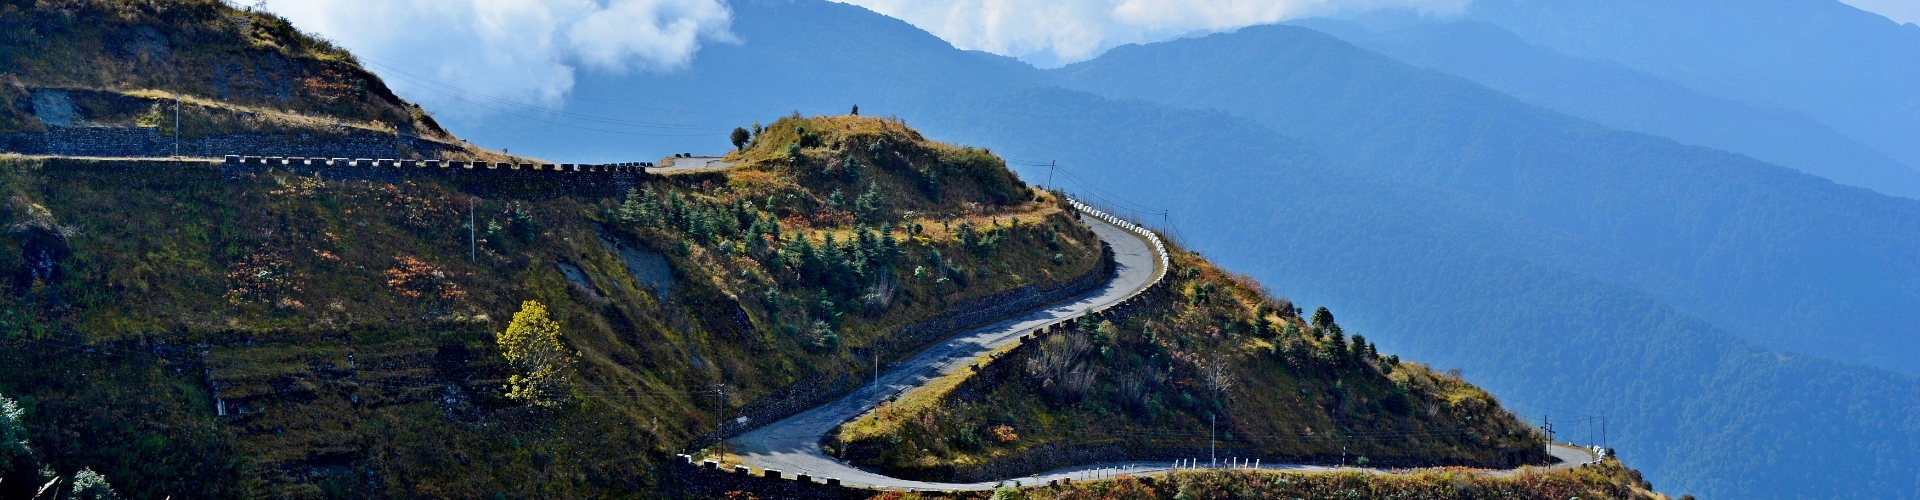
[(740, 138), (1322, 318), (532, 345)]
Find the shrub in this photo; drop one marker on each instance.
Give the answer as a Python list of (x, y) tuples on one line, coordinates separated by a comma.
[(1058, 368), (13, 433), (90, 485)]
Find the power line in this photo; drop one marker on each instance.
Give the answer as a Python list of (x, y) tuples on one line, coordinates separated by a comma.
[(576, 99), (543, 109), (551, 122)]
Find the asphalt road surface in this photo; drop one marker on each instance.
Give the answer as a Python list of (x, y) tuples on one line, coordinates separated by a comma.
[(696, 163), (792, 445)]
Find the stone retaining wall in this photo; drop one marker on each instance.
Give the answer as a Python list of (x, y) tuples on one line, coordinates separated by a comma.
[(523, 179), (708, 479), (816, 391), (147, 142), (999, 306)]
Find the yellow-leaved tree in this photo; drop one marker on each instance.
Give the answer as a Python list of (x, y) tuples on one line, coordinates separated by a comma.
[(532, 345)]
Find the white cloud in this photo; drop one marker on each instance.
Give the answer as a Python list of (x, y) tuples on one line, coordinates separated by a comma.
[(1049, 32), (525, 51)]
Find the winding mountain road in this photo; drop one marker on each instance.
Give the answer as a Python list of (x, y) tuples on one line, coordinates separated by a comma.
[(690, 164), (792, 445)]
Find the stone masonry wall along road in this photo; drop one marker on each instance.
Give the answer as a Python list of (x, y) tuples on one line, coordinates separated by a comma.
[(792, 445)]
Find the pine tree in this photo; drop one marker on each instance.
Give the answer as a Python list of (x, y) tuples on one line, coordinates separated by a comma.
[(867, 206), (889, 247), (1322, 318), (649, 207), (629, 211)]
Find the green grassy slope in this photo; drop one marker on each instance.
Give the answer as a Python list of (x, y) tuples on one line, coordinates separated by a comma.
[(1282, 386), (350, 341), (202, 48), (231, 71)]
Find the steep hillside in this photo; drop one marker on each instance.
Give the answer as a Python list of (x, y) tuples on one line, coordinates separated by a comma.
[(72, 67), (1454, 285), (269, 334), (1524, 308), (1216, 357)]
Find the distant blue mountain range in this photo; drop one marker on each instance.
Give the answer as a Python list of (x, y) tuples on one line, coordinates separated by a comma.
[(1560, 255), (1853, 70), (1616, 96)]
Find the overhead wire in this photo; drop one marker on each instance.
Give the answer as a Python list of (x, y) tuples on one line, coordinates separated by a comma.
[(393, 62), (405, 75), (550, 122)]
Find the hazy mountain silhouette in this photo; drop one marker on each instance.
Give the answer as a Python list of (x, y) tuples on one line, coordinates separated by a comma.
[(1616, 96), (1765, 251), (1560, 263), (1853, 70)]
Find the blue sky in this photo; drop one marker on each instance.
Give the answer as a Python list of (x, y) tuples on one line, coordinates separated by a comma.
[(529, 51)]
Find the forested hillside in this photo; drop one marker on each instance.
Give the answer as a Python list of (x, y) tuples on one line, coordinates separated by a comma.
[(1551, 316), (275, 334)]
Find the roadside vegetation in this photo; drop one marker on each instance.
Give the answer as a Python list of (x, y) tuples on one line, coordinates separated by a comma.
[(1608, 480), (1218, 360), (296, 336)]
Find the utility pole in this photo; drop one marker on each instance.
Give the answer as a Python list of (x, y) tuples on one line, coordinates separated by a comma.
[(719, 404), (176, 124), (1050, 165), (1213, 424), (473, 238), (1547, 423)]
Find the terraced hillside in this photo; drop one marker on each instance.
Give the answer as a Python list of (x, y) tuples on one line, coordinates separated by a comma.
[(272, 334)]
